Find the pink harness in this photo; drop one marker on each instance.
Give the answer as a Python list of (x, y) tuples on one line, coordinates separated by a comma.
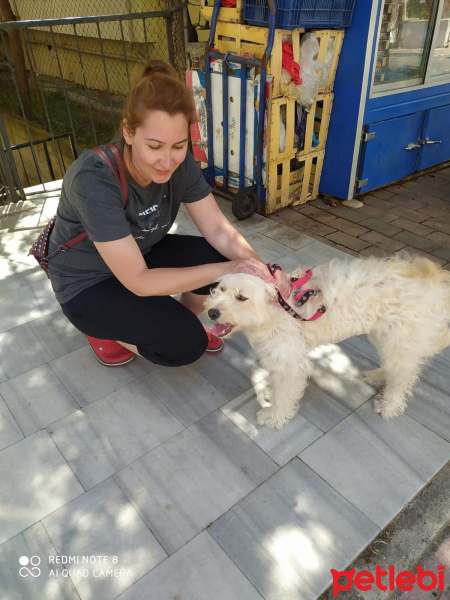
[(301, 297)]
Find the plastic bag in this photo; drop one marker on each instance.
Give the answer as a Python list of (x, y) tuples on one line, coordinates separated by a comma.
[(309, 87), (288, 87), (326, 65)]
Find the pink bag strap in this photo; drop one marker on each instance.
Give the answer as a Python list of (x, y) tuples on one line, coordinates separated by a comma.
[(120, 176)]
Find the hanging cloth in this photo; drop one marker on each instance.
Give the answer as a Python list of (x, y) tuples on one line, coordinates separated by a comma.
[(288, 61)]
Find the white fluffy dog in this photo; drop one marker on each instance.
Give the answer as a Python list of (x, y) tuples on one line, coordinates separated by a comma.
[(403, 304)]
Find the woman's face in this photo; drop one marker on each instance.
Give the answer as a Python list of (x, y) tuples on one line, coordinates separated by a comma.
[(159, 146)]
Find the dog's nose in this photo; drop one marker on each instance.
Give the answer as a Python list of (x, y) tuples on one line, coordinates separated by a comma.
[(213, 314)]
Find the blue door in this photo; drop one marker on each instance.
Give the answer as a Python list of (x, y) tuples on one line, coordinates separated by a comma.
[(393, 151), (435, 139)]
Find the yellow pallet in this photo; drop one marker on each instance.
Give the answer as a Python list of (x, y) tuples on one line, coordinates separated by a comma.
[(242, 39), (282, 111), (229, 15), (293, 181)]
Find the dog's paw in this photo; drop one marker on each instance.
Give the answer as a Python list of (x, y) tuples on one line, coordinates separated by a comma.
[(375, 378), (388, 409), (271, 418)]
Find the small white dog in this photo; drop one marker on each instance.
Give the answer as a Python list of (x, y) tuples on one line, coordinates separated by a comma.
[(402, 303)]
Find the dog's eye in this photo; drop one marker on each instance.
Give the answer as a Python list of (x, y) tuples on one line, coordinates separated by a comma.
[(221, 288), (241, 298)]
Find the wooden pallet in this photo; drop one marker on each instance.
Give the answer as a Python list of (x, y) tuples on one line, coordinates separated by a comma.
[(243, 39), (282, 115), (229, 15), (293, 181)]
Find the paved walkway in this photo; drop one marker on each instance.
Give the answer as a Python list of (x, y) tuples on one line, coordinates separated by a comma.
[(152, 483)]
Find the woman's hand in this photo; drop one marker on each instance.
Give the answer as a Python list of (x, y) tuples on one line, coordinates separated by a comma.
[(253, 266)]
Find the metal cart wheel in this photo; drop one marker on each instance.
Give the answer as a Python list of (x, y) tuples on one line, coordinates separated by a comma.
[(244, 204)]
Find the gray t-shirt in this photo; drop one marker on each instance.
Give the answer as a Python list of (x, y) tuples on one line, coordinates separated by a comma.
[(91, 200)]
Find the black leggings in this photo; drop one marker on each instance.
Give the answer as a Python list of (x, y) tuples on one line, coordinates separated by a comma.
[(164, 331)]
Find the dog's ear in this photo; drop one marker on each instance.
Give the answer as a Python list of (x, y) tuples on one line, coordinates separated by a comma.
[(271, 292)]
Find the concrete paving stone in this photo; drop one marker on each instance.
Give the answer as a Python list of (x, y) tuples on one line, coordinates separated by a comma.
[(418, 216), (377, 239), (364, 457), (103, 525), (411, 239), (349, 227), (442, 253), (351, 214), (311, 226), (88, 380), (32, 582), (370, 211), (187, 394), (348, 250), (286, 216), (183, 485), (374, 251), (383, 193), (442, 203), (411, 198), (10, 432), (39, 482), (315, 213), (438, 224), (282, 445), (435, 212), (413, 226), (36, 399), (200, 570), (310, 256), (111, 433), (416, 252), (267, 248), (287, 534), (379, 203), (379, 226), (288, 236), (319, 238), (343, 239)]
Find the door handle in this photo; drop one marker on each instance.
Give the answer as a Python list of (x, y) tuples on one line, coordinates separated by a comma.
[(427, 141), (412, 146)]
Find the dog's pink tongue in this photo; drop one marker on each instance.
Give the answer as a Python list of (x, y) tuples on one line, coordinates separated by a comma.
[(220, 329)]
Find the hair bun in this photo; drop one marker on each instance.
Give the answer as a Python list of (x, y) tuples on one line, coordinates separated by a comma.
[(158, 66)]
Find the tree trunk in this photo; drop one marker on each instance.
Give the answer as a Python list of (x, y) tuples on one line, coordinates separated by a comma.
[(17, 57)]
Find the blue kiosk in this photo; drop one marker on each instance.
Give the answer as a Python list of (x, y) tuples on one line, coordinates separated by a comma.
[(391, 111)]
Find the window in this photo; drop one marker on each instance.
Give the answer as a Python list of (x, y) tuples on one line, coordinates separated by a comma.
[(413, 43)]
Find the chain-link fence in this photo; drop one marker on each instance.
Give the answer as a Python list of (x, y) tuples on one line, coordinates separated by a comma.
[(78, 72)]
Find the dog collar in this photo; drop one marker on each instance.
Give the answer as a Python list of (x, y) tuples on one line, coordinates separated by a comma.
[(301, 297)]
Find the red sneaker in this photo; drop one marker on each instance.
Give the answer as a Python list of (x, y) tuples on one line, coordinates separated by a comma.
[(110, 353), (215, 344)]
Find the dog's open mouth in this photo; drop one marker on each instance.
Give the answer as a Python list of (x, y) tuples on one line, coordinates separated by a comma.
[(222, 329)]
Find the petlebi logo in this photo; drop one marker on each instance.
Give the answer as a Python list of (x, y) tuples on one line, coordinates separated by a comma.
[(26, 570)]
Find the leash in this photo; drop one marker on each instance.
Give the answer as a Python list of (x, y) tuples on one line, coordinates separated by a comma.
[(301, 297)]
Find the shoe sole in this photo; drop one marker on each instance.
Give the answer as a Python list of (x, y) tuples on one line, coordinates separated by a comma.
[(215, 351), (107, 364)]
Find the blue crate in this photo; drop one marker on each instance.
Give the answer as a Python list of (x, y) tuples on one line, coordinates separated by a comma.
[(333, 14)]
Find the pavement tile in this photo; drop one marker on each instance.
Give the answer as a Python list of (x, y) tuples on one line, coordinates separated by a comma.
[(200, 570), (374, 251), (34, 544), (349, 227), (111, 433), (183, 485), (103, 524), (319, 238), (364, 457), (348, 241), (439, 224), (413, 226), (417, 252), (287, 534), (412, 198), (384, 193), (10, 432), (434, 211), (348, 251), (351, 214), (374, 224), (377, 239), (36, 399), (411, 239), (286, 216), (443, 253), (314, 212), (418, 216), (39, 482), (311, 226), (370, 211), (378, 203)]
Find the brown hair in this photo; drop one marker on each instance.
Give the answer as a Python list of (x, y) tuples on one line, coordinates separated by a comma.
[(158, 88)]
